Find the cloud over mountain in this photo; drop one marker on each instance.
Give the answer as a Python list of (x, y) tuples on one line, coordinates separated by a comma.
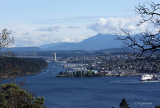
[(113, 25)]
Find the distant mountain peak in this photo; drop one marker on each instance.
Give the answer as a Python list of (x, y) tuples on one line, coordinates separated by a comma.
[(97, 42)]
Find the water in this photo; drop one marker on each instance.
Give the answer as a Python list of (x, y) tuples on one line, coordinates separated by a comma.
[(91, 92)]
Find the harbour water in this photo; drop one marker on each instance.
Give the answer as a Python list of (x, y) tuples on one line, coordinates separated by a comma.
[(91, 92)]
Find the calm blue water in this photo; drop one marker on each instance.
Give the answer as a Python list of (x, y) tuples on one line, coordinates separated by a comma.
[(98, 92)]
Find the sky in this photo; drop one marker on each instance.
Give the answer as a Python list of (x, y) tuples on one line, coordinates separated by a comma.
[(38, 22)]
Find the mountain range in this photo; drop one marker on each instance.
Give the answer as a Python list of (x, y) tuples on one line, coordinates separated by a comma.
[(98, 42)]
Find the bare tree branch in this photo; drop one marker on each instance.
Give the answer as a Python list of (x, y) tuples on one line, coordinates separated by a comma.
[(5, 39), (149, 12), (145, 42)]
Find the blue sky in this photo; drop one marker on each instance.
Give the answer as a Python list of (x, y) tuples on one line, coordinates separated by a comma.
[(37, 22)]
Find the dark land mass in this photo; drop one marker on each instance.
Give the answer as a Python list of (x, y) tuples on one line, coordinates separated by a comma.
[(73, 53), (81, 74), (12, 66), (65, 53), (21, 49), (98, 42)]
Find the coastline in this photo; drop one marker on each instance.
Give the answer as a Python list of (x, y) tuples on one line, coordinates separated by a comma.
[(27, 74), (12, 67), (100, 75)]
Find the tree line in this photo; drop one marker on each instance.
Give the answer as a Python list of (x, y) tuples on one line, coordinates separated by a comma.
[(13, 66)]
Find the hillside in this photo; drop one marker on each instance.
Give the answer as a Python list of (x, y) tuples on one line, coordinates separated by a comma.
[(12, 66), (69, 53), (98, 42), (21, 49)]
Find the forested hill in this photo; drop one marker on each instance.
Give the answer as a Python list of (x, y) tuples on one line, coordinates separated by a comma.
[(12, 66)]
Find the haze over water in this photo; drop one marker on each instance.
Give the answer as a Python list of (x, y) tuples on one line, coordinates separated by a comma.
[(91, 92)]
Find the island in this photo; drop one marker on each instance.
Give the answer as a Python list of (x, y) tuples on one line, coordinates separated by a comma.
[(81, 74)]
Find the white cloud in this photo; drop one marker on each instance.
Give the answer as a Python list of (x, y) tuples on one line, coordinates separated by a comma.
[(113, 25), (35, 35), (71, 39), (28, 35)]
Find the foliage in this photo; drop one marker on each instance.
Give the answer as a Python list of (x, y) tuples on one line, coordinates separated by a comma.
[(89, 73), (12, 96), (124, 104), (12, 66), (5, 39)]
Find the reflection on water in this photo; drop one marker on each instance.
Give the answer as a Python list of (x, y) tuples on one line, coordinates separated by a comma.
[(91, 92)]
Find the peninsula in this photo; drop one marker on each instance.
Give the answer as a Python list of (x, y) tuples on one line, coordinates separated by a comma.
[(12, 66)]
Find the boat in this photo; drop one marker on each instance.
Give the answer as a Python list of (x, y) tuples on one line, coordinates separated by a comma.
[(148, 77)]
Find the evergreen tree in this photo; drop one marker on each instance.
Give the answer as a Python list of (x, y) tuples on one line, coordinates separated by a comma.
[(12, 96), (124, 104)]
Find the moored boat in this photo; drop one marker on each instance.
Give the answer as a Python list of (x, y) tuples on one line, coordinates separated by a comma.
[(148, 77)]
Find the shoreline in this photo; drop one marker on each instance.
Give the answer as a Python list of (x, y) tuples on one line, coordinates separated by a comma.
[(135, 75), (27, 74)]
